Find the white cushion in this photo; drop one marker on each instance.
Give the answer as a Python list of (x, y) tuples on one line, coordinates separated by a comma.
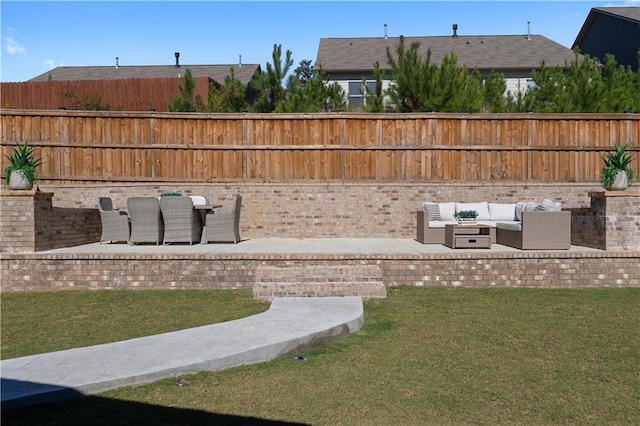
[(491, 223), (499, 211), (447, 211), (198, 200), (433, 209), (513, 226), (482, 208), (530, 207), (519, 209), (441, 223), (548, 206)]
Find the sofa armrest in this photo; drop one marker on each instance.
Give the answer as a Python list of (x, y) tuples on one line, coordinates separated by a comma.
[(546, 230)]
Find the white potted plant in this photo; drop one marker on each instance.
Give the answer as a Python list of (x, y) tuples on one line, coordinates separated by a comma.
[(21, 171), (617, 173)]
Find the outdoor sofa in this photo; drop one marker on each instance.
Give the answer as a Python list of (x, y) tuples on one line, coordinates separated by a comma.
[(518, 228)]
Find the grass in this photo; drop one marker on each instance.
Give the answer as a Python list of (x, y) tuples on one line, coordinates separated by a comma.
[(45, 322), (424, 356)]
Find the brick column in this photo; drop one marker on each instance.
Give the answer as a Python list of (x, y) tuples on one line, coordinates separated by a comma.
[(617, 219), (23, 219)]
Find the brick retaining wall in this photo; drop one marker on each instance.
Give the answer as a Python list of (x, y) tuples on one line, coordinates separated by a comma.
[(67, 215), (44, 272), (29, 222), (325, 210)]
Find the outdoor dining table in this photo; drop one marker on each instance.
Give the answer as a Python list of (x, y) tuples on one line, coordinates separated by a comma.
[(204, 209)]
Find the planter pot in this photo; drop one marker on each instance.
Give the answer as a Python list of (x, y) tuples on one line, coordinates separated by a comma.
[(462, 221), (18, 180), (621, 183)]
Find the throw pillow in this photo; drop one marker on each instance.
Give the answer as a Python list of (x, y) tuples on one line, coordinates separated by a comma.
[(551, 206), (547, 206), (529, 207), (433, 209)]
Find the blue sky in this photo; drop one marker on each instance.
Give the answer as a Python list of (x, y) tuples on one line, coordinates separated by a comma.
[(38, 36)]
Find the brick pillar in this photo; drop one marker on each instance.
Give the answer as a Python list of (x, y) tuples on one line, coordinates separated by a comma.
[(23, 219), (617, 219)]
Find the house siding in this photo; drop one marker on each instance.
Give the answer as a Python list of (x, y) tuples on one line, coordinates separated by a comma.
[(610, 34)]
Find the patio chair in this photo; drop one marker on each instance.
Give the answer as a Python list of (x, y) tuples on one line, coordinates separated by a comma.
[(182, 223), (115, 223), (146, 220), (224, 226)]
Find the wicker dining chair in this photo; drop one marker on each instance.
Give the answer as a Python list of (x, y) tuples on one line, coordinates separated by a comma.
[(224, 226), (182, 223), (115, 223), (146, 220)]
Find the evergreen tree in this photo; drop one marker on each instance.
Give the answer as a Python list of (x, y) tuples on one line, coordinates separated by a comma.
[(268, 84), (374, 98), (495, 99), (419, 85), (308, 91), (185, 102), (230, 97), (409, 91)]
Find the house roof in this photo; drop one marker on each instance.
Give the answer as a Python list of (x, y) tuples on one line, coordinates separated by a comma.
[(631, 14), (243, 73), (486, 52)]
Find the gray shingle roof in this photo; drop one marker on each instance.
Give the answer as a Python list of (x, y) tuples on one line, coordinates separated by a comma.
[(242, 73), (483, 52), (631, 13)]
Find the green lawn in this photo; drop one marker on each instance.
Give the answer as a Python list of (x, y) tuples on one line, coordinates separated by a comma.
[(424, 356)]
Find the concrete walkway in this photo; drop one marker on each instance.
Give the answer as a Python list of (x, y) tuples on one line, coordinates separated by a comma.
[(290, 325)]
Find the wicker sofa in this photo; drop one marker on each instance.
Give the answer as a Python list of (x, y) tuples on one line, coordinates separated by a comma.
[(538, 230), (517, 228)]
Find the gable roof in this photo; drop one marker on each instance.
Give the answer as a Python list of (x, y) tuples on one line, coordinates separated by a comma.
[(631, 14), (483, 52), (243, 73)]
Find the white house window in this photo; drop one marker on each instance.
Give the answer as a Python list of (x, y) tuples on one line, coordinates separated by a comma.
[(531, 84), (357, 92)]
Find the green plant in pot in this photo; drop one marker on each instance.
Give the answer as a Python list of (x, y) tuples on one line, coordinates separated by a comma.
[(466, 215), (21, 171), (617, 172)]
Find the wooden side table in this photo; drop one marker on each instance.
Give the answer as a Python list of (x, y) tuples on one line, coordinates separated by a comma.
[(467, 236)]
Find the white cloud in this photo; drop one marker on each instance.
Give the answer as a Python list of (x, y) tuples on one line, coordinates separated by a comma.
[(49, 64), (13, 47)]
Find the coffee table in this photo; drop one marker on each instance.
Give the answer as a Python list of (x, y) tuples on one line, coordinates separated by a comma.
[(467, 236)]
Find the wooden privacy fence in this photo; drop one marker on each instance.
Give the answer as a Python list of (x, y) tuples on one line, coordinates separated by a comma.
[(81, 146), (134, 94)]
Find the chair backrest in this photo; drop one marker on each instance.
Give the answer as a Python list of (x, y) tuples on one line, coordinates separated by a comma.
[(105, 204), (183, 204), (237, 204)]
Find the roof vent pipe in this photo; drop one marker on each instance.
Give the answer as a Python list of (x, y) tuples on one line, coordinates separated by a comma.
[(240, 60), (455, 30), (117, 65), (177, 59), (528, 30), (385, 31)]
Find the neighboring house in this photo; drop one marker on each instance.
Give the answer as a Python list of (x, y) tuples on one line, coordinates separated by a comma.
[(242, 72), (349, 60), (614, 30), (131, 88)]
